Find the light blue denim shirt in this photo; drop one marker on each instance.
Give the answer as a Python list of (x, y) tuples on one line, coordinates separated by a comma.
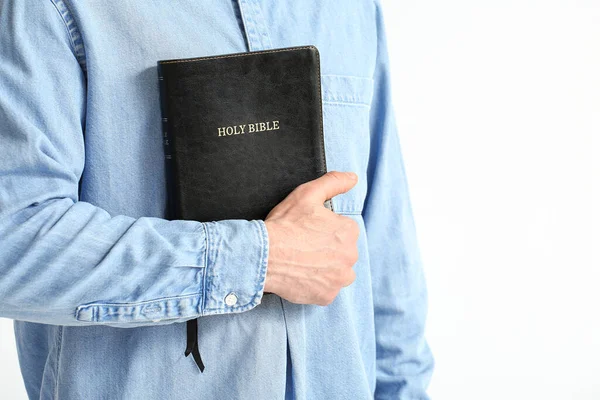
[(100, 284)]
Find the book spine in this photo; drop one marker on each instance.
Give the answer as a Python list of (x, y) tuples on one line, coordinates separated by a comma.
[(167, 145)]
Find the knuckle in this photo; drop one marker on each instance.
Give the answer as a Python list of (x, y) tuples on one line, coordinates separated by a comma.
[(353, 226), (355, 229), (354, 255), (326, 297), (344, 228), (301, 189), (323, 301), (329, 298), (351, 257), (348, 223), (336, 178), (335, 175), (351, 277), (340, 279), (311, 211), (339, 235)]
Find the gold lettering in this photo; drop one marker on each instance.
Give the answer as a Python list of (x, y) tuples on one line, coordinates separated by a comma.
[(252, 127)]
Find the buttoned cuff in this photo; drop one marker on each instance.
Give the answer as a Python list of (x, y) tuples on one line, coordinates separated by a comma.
[(237, 252)]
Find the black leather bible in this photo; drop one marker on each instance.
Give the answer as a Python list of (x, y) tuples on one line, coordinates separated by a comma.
[(240, 132)]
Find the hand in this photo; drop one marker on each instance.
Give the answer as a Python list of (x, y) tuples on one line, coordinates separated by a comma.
[(311, 249)]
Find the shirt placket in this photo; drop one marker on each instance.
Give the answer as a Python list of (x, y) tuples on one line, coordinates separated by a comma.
[(255, 25)]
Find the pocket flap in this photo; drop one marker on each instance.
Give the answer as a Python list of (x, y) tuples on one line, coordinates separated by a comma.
[(347, 89)]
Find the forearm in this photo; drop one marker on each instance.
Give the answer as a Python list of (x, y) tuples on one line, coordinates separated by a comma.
[(66, 263), (69, 262)]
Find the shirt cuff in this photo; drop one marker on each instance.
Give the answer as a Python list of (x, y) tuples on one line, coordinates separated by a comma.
[(237, 253)]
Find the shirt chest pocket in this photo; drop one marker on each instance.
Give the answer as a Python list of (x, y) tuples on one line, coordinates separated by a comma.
[(346, 129)]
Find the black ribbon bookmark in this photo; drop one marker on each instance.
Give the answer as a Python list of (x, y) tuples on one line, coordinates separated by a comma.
[(192, 343)]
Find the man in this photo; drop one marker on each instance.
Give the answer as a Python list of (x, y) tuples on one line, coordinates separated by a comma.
[(100, 284)]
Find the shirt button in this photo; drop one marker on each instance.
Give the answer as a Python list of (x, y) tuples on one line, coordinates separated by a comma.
[(231, 299)]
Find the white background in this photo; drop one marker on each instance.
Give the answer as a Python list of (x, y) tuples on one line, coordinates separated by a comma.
[(497, 104)]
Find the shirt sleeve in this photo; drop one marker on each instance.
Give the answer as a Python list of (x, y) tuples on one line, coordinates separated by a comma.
[(69, 262), (404, 361)]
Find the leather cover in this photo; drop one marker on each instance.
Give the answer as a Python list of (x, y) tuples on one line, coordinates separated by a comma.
[(240, 131)]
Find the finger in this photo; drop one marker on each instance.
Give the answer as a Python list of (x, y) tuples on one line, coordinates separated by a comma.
[(330, 184), (351, 278)]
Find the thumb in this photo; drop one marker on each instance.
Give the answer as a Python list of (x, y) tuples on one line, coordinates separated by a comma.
[(330, 184)]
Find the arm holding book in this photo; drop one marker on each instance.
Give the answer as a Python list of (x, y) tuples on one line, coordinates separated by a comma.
[(68, 262)]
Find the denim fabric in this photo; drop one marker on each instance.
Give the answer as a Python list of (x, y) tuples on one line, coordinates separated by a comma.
[(100, 284)]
